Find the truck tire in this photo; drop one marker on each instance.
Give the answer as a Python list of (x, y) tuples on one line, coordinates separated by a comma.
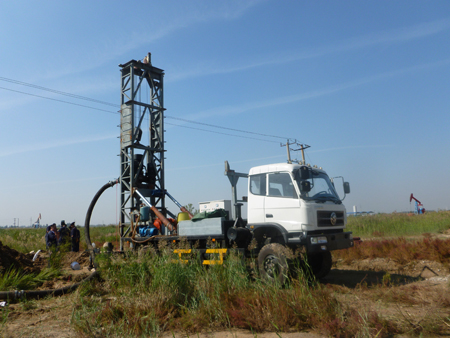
[(272, 263), (320, 263)]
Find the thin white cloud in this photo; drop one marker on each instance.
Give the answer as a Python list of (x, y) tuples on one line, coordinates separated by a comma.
[(233, 110), (54, 144), (281, 157), (172, 18), (385, 37), (351, 147)]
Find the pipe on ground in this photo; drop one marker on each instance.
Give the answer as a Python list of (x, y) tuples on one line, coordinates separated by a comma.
[(13, 295)]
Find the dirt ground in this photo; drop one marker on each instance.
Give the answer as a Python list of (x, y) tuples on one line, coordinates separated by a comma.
[(418, 290)]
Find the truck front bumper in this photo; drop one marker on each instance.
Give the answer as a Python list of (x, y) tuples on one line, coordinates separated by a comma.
[(323, 242)]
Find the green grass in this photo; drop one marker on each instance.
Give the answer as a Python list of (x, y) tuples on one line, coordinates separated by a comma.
[(23, 239), (190, 297), (380, 225), (28, 239), (142, 295), (20, 280), (397, 224)]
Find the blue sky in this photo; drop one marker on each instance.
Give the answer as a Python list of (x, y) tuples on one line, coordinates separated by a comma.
[(364, 83)]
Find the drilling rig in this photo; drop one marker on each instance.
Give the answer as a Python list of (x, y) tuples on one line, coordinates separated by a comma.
[(141, 180), (289, 205), (141, 139)]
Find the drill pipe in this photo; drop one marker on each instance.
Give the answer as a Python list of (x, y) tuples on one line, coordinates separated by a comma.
[(183, 209)]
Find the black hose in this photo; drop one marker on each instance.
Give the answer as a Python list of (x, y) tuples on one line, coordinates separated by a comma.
[(89, 214), (12, 295)]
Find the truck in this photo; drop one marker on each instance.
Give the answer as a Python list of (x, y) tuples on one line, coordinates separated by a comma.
[(291, 207)]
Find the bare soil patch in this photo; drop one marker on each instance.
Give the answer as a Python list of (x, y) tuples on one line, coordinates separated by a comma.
[(13, 259)]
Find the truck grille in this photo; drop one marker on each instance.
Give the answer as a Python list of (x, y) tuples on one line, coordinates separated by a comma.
[(324, 218)]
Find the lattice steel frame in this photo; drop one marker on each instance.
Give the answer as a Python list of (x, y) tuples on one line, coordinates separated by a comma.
[(136, 77)]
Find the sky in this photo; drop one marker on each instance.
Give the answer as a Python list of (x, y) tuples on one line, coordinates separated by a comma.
[(364, 83)]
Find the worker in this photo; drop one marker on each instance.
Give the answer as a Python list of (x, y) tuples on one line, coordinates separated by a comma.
[(64, 234), (46, 234), (52, 238), (75, 235)]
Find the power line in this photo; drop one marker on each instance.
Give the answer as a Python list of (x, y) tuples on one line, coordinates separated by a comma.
[(216, 132), (49, 98), (57, 92), (221, 127), (115, 105)]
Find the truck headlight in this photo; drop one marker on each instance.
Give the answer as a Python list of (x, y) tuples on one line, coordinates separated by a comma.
[(318, 240)]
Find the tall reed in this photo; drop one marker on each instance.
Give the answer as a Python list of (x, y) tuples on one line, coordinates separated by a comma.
[(149, 293)]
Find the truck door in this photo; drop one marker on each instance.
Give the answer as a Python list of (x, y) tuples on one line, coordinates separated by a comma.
[(257, 193), (282, 204)]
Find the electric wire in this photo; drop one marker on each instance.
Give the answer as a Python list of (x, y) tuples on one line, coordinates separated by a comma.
[(221, 127), (58, 92), (50, 98), (216, 132), (117, 112)]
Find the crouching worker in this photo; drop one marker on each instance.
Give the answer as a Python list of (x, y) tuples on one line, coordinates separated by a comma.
[(75, 235)]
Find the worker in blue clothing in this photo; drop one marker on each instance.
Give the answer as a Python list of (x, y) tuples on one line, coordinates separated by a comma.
[(75, 235), (52, 238), (46, 234)]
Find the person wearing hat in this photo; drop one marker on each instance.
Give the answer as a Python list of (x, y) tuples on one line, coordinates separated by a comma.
[(46, 234), (75, 235), (64, 234)]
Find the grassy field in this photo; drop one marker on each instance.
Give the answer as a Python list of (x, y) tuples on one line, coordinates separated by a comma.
[(148, 294), (380, 225), (142, 294), (399, 224), (28, 239)]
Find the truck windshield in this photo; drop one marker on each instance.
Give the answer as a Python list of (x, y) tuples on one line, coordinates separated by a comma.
[(322, 189)]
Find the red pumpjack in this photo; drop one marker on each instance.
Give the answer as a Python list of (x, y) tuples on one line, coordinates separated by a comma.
[(419, 209)]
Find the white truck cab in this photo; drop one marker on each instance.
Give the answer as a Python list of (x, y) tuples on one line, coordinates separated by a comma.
[(295, 206), (275, 195)]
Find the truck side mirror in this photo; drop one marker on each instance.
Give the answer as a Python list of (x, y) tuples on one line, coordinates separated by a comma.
[(347, 187), (305, 186), (304, 173)]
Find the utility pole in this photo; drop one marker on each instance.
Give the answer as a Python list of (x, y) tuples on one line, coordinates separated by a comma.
[(302, 148)]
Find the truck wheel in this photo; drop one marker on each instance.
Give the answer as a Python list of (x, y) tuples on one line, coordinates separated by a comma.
[(272, 263), (320, 263)]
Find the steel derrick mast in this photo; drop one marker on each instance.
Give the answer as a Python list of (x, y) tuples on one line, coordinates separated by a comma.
[(141, 140)]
